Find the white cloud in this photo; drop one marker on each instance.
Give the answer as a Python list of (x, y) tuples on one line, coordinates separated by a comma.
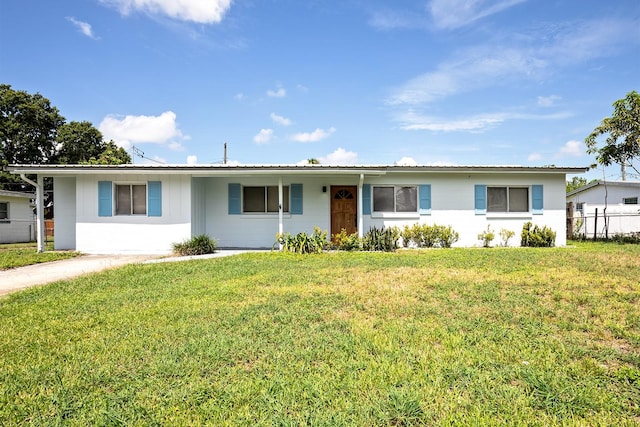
[(264, 136), (520, 59), (534, 157), (572, 148), (315, 136), (128, 130), (84, 27), (199, 11), (406, 161), (192, 160), (548, 101), (240, 96), (450, 14), (281, 120), (278, 93), (340, 157)]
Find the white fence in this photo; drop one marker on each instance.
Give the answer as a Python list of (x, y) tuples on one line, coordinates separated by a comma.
[(600, 221)]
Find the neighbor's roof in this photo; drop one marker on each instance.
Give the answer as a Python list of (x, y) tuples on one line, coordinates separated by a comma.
[(220, 169), (7, 193), (626, 184)]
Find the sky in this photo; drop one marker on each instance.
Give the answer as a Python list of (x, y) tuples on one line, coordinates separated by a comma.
[(426, 82)]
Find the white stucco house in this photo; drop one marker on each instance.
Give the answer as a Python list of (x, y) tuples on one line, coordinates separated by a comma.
[(606, 208), (17, 222), (146, 208)]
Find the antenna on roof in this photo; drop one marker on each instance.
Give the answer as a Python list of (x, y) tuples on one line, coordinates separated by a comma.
[(224, 159)]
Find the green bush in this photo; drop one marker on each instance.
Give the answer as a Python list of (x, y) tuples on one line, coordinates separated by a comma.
[(381, 239), (346, 242), (303, 243), (505, 235), (428, 236), (537, 237), (197, 245), (486, 237)]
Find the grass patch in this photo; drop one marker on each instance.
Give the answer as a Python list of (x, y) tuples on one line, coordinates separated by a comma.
[(21, 254), (430, 337)]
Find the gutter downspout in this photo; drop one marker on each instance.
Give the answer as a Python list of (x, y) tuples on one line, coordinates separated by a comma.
[(360, 217), (39, 209)]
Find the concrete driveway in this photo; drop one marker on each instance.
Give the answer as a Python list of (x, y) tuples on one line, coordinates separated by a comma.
[(16, 279)]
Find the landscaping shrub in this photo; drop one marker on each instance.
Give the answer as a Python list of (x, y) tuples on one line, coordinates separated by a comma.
[(428, 236), (303, 243), (505, 235), (486, 237), (346, 242), (381, 239), (537, 237), (447, 236), (197, 245)]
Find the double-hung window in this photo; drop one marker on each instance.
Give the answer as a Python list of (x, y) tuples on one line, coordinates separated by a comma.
[(395, 199), (507, 199), (131, 199), (4, 211), (264, 199)]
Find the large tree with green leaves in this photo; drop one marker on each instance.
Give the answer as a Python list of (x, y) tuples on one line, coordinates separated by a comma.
[(622, 130), (28, 129), (32, 131)]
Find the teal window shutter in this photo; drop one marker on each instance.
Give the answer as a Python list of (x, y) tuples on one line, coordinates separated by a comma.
[(366, 199), (105, 198), (537, 200), (235, 199), (481, 199), (425, 199), (295, 193), (154, 198)]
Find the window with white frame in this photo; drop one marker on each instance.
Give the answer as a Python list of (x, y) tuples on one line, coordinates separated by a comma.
[(4, 211), (264, 199), (630, 200), (507, 199), (395, 199), (131, 199)]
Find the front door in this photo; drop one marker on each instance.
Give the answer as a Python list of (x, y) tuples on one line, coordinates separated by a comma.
[(344, 209)]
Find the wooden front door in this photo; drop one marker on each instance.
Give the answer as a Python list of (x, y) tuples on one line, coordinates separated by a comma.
[(344, 209)]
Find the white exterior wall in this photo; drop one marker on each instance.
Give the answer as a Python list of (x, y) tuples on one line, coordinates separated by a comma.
[(64, 213), (259, 230), (136, 233), (452, 201), (595, 195), (21, 224)]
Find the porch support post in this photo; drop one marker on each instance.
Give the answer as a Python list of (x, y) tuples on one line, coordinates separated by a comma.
[(360, 217), (280, 208), (39, 209)]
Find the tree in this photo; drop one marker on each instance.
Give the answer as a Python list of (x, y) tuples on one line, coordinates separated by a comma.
[(575, 183), (111, 155), (313, 161), (78, 142), (622, 144), (28, 128)]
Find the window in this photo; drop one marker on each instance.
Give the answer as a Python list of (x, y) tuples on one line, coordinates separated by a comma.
[(395, 199), (131, 199), (264, 199), (626, 201), (4, 211), (507, 199), (580, 207)]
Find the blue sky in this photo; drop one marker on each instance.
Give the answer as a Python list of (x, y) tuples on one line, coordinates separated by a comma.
[(439, 82)]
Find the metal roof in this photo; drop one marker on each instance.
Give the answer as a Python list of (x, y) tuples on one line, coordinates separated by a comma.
[(628, 184), (220, 169), (7, 193)]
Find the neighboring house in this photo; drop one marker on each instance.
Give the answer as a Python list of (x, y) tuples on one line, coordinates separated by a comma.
[(17, 221), (621, 199), (146, 208)]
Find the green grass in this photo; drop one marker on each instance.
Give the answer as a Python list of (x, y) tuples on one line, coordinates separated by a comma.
[(435, 337), (21, 254)]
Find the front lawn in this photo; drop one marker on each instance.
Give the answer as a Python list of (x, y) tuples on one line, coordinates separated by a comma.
[(433, 337), (21, 254)]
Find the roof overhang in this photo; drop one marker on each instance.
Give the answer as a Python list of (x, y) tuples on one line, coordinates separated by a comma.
[(6, 193), (226, 170)]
